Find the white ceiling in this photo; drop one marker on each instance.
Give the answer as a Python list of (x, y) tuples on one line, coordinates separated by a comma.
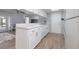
[(8, 10), (50, 10), (15, 10)]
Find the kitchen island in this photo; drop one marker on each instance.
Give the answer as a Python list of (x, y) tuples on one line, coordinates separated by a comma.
[(29, 35)]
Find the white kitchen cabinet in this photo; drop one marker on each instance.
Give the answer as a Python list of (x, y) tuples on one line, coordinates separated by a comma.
[(28, 37), (38, 12), (32, 37), (34, 11), (42, 13)]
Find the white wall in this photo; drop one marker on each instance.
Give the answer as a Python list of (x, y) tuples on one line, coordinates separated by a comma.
[(17, 18), (72, 29), (14, 17), (71, 13), (55, 22), (72, 33)]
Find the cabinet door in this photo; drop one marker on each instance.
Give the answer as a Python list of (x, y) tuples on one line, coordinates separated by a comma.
[(41, 32), (38, 34), (32, 38), (47, 29)]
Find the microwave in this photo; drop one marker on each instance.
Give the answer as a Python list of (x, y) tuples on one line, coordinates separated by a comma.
[(34, 20)]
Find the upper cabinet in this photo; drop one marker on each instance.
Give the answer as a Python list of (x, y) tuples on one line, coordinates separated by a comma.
[(34, 11), (71, 13)]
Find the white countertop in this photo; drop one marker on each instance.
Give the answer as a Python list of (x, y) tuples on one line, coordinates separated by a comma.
[(28, 26)]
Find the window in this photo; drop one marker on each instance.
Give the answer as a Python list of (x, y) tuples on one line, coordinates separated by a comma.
[(2, 21)]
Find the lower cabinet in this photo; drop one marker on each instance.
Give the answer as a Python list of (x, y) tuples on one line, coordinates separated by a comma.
[(32, 38), (35, 37), (28, 39)]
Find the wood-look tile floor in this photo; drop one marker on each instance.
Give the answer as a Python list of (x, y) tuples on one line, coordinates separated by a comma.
[(10, 44), (51, 41)]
